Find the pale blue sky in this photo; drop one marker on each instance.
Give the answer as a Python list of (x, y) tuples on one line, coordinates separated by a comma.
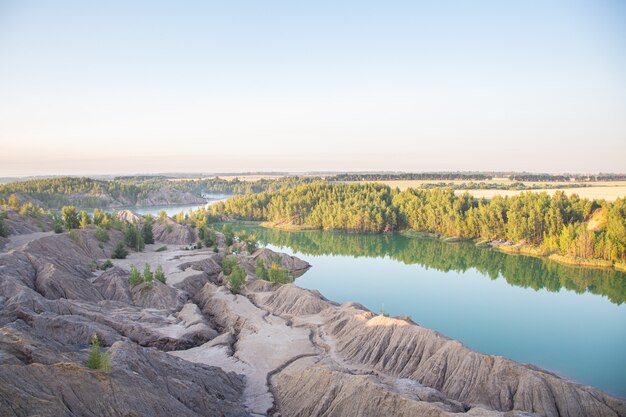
[(115, 87)]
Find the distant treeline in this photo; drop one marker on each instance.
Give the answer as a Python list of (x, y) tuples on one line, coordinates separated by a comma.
[(520, 186), (435, 176), (473, 176), (554, 224), (237, 186), (57, 192), (84, 192), (567, 177)]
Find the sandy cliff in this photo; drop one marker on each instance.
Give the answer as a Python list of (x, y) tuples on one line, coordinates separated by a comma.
[(191, 347)]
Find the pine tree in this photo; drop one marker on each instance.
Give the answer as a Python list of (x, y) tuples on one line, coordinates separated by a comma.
[(106, 362), (159, 275), (120, 251), (146, 230), (70, 217), (236, 279), (84, 219), (147, 273), (260, 270), (135, 276), (94, 361)]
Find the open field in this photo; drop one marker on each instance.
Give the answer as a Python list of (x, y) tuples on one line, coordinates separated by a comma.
[(608, 190), (592, 193), (404, 184)]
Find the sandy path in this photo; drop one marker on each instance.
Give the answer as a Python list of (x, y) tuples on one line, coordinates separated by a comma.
[(265, 343), (16, 241)]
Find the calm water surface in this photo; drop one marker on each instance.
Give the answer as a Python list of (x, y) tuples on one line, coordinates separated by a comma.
[(566, 319)]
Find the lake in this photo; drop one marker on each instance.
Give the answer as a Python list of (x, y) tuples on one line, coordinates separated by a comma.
[(569, 320)]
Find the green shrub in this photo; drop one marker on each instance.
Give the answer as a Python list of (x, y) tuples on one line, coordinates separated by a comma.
[(14, 202), (146, 230), (57, 225), (135, 276), (94, 361), (4, 231), (106, 265), (85, 220), (278, 275), (101, 234), (70, 217), (237, 278), (247, 239), (120, 251), (106, 362), (260, 270), (161, 249), (210, 238), (134, 237), (73, 234), (159, 275), (228, 234), (98, 217), (227, 264), (147, 274)]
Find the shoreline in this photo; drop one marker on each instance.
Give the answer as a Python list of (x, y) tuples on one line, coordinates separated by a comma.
[(292, 347), (509, 249)]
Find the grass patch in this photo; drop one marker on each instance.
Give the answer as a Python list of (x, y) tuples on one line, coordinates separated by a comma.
[(571, 260), (286, 226)]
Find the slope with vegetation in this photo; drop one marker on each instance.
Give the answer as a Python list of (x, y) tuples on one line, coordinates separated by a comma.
[(86, 192), (133, 191), (549, 225)]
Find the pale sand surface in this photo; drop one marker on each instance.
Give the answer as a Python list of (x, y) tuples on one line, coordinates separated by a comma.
[(265, 343), (592, 193), (404, 184), (15, 241), (607, 190)]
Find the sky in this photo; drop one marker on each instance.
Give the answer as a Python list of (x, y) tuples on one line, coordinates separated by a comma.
[(118, 87)]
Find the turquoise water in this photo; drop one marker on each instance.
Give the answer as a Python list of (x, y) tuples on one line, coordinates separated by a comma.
[(569, 320)]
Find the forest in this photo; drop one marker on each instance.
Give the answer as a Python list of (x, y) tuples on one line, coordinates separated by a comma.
[(237, 186), (84, 192), (558, 224), (80, 191)]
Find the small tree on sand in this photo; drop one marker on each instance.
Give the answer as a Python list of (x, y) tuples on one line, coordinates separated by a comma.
[(95, 357), (159, 275)]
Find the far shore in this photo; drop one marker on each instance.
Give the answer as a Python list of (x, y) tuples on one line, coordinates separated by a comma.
[(510, 249)]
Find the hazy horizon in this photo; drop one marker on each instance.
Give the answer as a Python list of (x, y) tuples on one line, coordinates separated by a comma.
[(96, 89), (193, 174)]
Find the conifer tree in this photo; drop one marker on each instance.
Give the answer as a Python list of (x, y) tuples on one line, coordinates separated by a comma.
[(159, 275), (94, 361), (135, 276)]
